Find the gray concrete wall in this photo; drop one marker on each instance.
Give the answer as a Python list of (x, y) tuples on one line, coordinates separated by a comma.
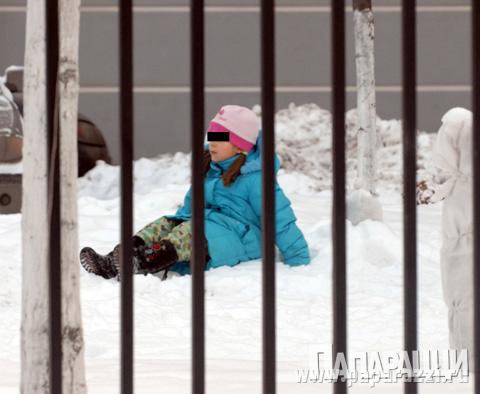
[(303, 74)]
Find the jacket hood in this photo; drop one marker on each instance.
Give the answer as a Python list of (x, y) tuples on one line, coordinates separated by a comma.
[(254, 159)]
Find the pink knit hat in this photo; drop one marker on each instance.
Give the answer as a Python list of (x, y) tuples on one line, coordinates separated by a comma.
[(242, 124)]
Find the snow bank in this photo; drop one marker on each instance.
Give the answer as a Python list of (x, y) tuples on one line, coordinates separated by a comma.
[(303, 143), (233, 295), (102, 181), (233, 299)]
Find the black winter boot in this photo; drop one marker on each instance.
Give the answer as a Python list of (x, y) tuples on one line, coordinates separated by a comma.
[(146, 259), (138, 245), (150, 259), (102, 265), (107, 266)]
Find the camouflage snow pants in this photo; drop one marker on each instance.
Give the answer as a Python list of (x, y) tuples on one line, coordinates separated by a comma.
[(179, 233)]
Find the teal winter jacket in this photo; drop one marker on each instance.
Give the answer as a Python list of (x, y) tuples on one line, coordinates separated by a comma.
[(233, 216)]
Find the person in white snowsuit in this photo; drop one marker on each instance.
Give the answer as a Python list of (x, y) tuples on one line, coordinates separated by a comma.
[(452, 153)]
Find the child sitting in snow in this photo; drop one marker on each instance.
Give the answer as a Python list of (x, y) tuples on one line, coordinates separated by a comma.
[(452, 153), (233, 200)]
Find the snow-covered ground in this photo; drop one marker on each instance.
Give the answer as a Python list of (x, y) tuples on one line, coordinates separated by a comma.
[(233, 295)]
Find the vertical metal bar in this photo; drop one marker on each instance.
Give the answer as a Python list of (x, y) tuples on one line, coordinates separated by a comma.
[(268, 191), (339, 287), (197, 39), (476, 185), (126, 122), (55, 273), (409, 180)]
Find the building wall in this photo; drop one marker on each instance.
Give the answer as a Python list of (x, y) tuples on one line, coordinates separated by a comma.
[(303, 61)]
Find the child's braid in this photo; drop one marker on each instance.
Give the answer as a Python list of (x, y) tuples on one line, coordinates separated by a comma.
[(233, 171), (207, 158)]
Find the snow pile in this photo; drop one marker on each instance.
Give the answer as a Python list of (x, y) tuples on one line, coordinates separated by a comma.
[(102, 181), (361, 205), (303, 143), (233, 299)]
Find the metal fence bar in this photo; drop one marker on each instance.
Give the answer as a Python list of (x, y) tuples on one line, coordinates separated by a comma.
[(126, 147), (197, 38), (476, 185), (268, 191), (409, 98), (339, 287), (55, 273)]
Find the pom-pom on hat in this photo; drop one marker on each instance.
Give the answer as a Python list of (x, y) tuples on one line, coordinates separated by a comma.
[(242, 124)]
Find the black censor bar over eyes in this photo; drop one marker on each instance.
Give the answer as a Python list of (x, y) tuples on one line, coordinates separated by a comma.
[(218, 136)]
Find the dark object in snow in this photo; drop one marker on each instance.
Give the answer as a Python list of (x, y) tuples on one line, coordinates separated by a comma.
[(10, 193), (424, 193), (91, 143), (147, 259)]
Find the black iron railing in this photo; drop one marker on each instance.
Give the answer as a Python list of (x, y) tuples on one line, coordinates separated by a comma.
[(53, 155), (339, 279), (268, 217), (197, 65), (409, 98), (267, 50), (126, 197)]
